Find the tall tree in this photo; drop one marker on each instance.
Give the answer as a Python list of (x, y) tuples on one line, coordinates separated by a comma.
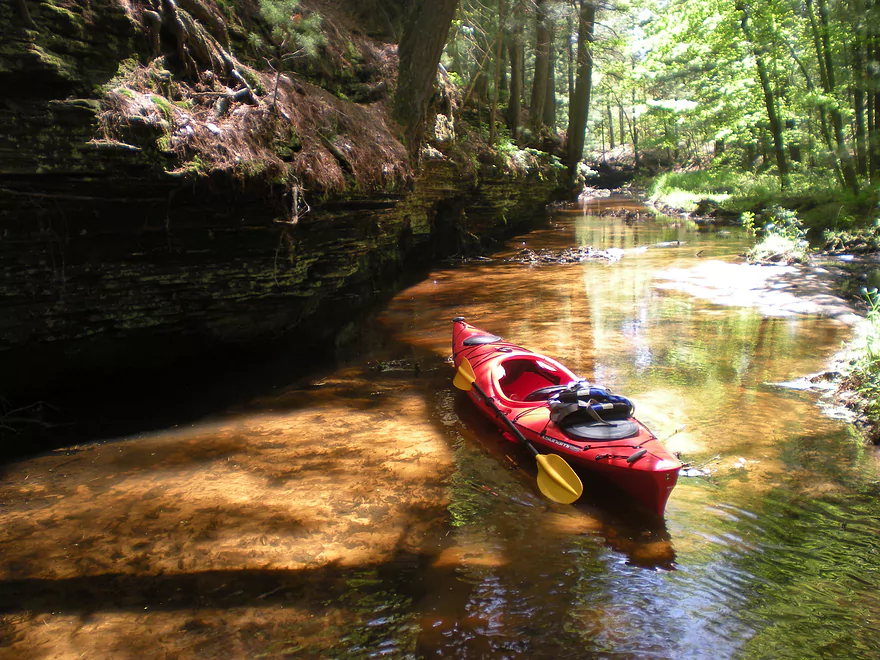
[(822, 40), (610, 125), (424, 34), (569, 53), (872, 21), (549, 114), (549, 118), (542, 65), (498, 62), (579, 105), (859, 108), (745, 10), (515, 55)]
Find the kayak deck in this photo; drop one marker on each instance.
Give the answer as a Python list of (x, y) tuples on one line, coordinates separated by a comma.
[(525, 386)]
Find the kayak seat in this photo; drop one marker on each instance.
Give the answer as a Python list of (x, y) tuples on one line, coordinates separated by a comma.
[(520, 379), (619, 429)]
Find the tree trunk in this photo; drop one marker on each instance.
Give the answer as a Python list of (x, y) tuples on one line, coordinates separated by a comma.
[(579, 105), (635, 134), (859, 87), (843, 152), (610, 126), (542, 65), (498, 51), (550, 100), (769, 98), (794, 146), (869, 50), (765, 148), (822, 43), (515, 55), (570, 56), (503, 82), (424, 35), (874, 132)]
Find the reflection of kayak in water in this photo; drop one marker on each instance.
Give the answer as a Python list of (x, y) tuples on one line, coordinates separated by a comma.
[(559, 413)]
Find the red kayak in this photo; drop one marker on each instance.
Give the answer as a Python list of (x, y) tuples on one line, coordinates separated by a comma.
[(560, 413)]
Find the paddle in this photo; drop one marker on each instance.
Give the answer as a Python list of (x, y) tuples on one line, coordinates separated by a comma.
[(556, 479)]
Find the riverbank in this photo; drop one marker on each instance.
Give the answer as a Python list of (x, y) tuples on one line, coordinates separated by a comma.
[(826, 282)]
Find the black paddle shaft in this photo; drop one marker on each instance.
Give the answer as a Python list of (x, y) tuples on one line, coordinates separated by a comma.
[(510, 425)]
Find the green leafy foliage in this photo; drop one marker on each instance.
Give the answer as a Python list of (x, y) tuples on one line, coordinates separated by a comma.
[(785, 224), (784, 239), (872, 336), (684, 85), (686, 189), (865, 365), (748, 222), (292, 33)]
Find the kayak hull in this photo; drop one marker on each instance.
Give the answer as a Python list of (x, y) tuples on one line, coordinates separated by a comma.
[(623, 452)]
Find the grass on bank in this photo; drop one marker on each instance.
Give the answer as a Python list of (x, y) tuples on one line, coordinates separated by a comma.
[(783, 237), (863, 378), (813, 194)]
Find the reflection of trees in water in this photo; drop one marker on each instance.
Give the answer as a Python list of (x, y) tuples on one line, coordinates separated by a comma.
[(684, 361)]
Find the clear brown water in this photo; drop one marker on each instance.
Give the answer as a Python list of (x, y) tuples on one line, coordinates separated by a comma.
[(366, 511)]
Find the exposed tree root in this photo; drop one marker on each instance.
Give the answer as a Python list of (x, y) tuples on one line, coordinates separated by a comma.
[(197, 110)]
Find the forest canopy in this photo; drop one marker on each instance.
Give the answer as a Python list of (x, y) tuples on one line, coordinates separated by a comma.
[(786, 87)]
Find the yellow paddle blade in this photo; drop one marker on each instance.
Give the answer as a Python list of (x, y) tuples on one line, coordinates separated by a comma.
[(557, 480), (465, 376)]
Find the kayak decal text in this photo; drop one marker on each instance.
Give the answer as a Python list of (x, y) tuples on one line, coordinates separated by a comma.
[(568, 446)]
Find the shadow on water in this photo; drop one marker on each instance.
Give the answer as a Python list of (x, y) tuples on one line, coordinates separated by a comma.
[(272, 613), (153, 399), (209, 380), (111, 592)]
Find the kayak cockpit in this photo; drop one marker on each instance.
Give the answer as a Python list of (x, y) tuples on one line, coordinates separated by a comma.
[(529, 379)]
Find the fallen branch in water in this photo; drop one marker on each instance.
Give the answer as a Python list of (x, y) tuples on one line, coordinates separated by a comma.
[(566, 256), (24, 415)]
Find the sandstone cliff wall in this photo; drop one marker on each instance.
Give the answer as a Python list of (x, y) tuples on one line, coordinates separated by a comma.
[(110, 260)]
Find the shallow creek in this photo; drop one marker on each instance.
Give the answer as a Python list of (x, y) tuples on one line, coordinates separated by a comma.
[(367, 511)]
